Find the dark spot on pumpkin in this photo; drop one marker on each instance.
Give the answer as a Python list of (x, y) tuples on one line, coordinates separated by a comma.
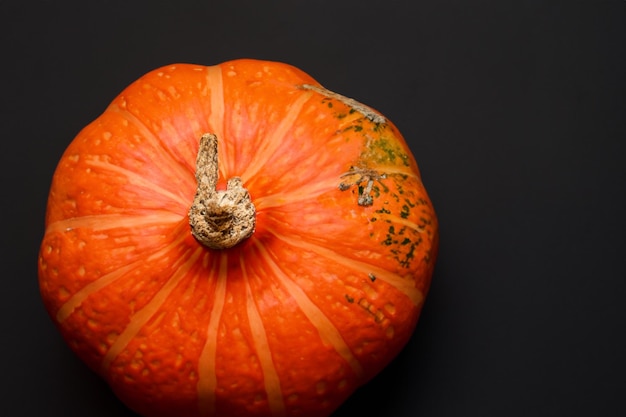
[(385, 150), (405, 212)]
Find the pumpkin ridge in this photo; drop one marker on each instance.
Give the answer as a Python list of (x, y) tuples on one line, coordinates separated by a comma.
[(327, 330), (178, 168), (391, 218), (207, 378), (138, 181), (296, 195), (404, 285), (275, 139), (141, 317), (110, 221), (215, 85), (75, 300), (261, 344), (68, 307)]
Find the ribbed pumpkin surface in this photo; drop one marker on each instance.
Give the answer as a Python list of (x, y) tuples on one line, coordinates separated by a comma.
[(288, 322)]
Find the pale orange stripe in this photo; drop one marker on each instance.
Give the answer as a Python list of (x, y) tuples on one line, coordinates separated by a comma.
[(297, 195), (215, 84), (114, 221), (404, 285), (261, 344), (141, 317), (139, 181), (400, 220), (178, 170), (315, 189), (327, 330), (77, 299), (207, 379), (275, 139)]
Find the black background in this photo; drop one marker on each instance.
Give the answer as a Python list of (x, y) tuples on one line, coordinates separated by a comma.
[(515, 111)]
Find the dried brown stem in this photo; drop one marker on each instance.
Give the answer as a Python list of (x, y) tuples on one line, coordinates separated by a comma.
[(219, 219)]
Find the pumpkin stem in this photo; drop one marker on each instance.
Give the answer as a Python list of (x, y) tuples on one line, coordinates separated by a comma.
[(219, 219)]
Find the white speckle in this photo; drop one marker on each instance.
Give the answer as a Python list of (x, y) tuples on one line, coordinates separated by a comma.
[(64, 293), (173, 92), (111, 337), (390, 308), (390, 332)]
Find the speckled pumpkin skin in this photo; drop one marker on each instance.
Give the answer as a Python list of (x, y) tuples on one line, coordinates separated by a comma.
[(289, 322)]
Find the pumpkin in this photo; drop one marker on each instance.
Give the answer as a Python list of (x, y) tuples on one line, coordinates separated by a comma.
[(236, 240)]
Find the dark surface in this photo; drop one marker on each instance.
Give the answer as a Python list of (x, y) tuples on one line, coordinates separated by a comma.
[(516, 113)]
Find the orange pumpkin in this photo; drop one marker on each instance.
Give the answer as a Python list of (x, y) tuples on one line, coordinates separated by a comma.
[(270, 279)]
